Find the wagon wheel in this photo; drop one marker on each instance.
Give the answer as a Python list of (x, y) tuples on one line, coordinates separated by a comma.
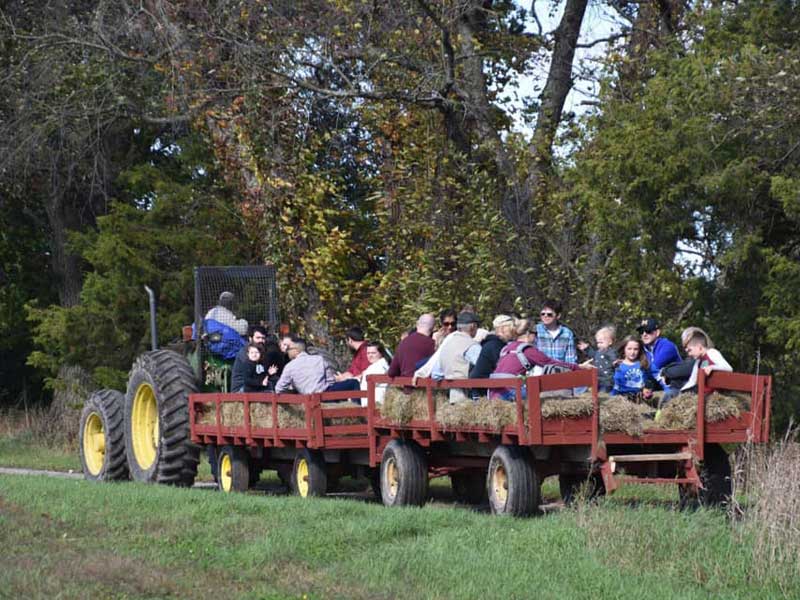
[(571, 485), (404, 474), (233, 467), (102, 437), (715, 475), (511, 482), (469, 487), (309, 476), (157, 442)]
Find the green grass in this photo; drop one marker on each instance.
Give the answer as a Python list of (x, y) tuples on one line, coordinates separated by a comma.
[(24, 451), (77, 539)]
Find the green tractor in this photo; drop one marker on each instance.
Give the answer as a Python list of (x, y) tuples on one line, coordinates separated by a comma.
[(144, 433)]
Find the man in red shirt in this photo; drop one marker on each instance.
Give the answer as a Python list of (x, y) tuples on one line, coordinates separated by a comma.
[(360, 362), (413, 349)]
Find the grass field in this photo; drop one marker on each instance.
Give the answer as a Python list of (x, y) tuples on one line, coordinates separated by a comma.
[(75, 539)]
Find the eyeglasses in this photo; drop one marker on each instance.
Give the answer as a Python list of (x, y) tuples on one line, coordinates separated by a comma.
[(547, 313), (448, 323)]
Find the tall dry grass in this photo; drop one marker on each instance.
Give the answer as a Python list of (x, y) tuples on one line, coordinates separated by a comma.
[(767, 506), (44, 426)]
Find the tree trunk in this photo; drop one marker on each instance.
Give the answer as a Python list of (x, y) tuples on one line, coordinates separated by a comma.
[(554, 94)]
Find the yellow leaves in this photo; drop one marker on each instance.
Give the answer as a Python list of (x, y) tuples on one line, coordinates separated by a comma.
[(279, 183)]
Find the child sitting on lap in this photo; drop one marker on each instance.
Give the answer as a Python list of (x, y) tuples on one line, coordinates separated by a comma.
[(604, 357)]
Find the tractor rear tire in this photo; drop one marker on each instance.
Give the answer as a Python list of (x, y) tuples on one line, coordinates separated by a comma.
[(309, 474), (101, 437), (511, 482), (469, 487), (157, 436), (233, 466), (404, 474)]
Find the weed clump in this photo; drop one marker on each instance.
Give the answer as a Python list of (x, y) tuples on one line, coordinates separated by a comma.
[(770, 480)]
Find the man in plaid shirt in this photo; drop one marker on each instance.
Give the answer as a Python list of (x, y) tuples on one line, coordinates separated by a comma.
[(554, 339)]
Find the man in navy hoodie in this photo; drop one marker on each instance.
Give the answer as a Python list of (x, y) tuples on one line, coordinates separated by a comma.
[(660, 351)]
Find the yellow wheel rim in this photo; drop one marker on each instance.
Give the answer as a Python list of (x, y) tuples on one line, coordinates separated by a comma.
[(94, 444), (225, 473), (144, 426), (392, 477), (302, 477), (500, 484)]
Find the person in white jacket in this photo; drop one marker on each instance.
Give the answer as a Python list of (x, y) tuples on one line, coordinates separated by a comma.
[(378, 365), (705, 357), (223, 313)]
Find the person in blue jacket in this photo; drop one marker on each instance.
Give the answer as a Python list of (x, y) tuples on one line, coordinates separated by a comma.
[(632, 375), (660, 351)]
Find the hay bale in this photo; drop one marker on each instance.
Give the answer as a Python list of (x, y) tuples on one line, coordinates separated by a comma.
[(232, 414), (494, 414), (261, 415), (455, 415), (401, 408), (567, 407), (206, 414), (291, 416), (342, 420), (619, 414), (681, 412)]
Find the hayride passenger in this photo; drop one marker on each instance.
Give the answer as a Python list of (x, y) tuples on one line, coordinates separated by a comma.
[(503, 327), (603, 357), (378, 365), (223, 313), (256, 378), (552, 337), (678, 373), (256, 334), (705, 357), (632, 376), (452, 357), (356, 342), (660, 352), (447, 325), (521, 357), (304, 373), (414, 348)]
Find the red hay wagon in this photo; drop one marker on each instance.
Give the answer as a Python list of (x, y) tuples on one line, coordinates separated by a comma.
[(309, 442)]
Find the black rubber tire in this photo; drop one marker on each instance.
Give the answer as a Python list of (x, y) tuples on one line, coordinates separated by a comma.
[(404, 474), (255, 470), (570, 484), (469, 487), (315, 483), (284, 472), (172, 380), (511, 482), (108, 406), (715, 474), (239, 480), (375, 483)]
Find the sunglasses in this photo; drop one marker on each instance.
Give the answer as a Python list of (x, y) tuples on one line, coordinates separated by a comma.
[(547, 313), (448, 323)]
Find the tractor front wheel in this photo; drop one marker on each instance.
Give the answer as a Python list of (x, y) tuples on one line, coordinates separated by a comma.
[(102, 437)]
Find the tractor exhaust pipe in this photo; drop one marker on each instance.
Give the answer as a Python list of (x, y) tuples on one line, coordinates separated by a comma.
[(153, 328)]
